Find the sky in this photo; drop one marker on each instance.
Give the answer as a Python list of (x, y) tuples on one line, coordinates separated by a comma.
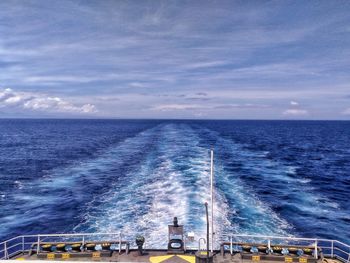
[(175, 59)]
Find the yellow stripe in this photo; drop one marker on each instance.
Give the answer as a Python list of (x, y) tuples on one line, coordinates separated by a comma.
[(190, 259), (158, 259), (20, 259)]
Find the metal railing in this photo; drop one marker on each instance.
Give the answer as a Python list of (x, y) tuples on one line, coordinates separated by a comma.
[(330, 248), (24, 243)]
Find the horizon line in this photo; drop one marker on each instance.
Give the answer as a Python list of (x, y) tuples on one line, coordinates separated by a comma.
[(164, 119)]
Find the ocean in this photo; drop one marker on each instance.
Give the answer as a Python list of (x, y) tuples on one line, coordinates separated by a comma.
[(134, 176)]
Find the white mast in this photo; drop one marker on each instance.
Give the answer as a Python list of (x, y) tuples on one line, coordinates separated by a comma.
[(212, 197)]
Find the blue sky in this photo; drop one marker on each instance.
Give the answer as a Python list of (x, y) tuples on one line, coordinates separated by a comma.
[(175, 59)]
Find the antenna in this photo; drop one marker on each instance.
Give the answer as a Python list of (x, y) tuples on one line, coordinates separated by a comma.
[(212, 197)]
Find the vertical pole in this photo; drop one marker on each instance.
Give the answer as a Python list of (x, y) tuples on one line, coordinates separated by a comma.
[(82, 248), (332, 253), (212, 197), (5, 252), (120, 243), (207, 215), (316, 252), (38, 245), (184, 239), (231, 245), (269, 245), (22, 244)]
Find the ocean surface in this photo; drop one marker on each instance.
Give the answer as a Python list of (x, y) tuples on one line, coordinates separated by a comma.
[(134, 176)]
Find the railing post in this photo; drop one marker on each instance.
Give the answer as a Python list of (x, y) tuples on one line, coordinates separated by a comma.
[(5, 252), (269, 245), (184, 244), (38, 245), (120, 243), (83, 241), (332, 251), (231, 245), (316, 252), (22, 244)]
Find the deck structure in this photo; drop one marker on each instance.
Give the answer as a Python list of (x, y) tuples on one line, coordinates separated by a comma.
[(111, 247)]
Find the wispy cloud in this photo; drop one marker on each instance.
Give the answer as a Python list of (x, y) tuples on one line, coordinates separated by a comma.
[(347, 111), (175, 107), (205, 64), (296, 112), (242, 106)]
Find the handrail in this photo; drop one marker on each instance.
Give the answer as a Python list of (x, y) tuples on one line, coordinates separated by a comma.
[(8, 240), (336, 248), (73, 234), (8, 247), (332, 248), (15, 245), (278, 237), (341, 250), (346, 245), (61, 234)]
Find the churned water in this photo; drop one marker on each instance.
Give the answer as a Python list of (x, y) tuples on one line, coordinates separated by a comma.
[(271, 177)]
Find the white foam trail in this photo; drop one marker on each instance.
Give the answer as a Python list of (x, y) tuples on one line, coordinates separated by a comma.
[(172, 181)]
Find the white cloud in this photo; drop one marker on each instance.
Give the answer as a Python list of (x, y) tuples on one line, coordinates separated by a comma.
[(137, 85), (59, 79), (294, 103), (206, 64), (41, 102), (171, 107), (347, 111), (211, 107), (295, 112)]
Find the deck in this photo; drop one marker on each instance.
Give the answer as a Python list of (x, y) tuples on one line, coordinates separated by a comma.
[(161, 256)]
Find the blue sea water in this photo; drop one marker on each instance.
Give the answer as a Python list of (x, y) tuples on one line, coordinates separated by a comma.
[(271, 177)]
